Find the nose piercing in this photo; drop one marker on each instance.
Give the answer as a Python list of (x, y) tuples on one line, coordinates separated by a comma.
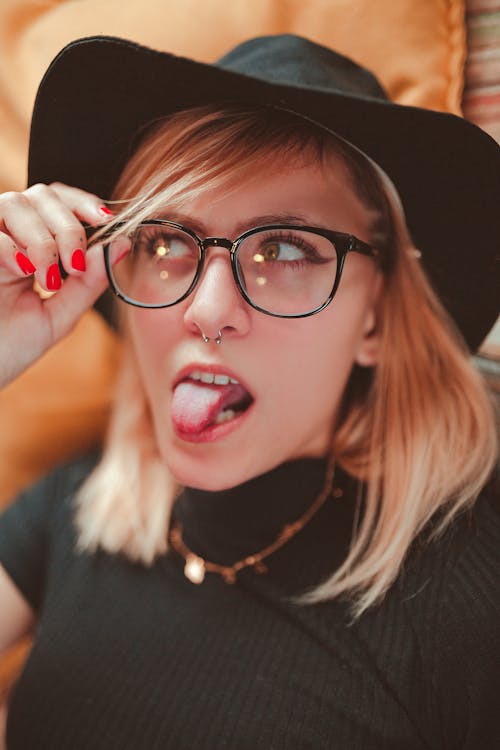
[(206, 339)]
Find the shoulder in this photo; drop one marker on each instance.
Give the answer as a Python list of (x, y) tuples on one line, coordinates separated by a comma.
[(450, 584), (65, 479), (458, 622), (471, 594), (39, 520), (50, 495), (461, 561)]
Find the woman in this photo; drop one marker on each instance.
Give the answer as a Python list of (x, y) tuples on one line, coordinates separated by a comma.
[(289, 538)]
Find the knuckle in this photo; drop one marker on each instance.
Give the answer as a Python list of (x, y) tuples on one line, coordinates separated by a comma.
[(69, 226), (11, 199), (60, 188), (70, 236), (63, 187), (39, 189), (46, 244), (6, 243)]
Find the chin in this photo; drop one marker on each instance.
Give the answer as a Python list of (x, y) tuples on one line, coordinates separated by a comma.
[(206, 472)]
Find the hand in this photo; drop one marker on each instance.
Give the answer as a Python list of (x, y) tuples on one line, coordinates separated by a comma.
[(38, 228)]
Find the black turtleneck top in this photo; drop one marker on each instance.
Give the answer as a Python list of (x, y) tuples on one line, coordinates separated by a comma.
[(127, 657)]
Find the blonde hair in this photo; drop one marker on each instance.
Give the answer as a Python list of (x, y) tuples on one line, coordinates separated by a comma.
[(417, 429)]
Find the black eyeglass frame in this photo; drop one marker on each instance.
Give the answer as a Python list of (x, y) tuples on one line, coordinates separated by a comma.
[(343, 243)]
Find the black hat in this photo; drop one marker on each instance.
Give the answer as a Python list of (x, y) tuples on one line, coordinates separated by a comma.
[(99, 92)]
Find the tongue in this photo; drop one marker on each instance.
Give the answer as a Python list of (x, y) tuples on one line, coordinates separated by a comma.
[(196, 405)]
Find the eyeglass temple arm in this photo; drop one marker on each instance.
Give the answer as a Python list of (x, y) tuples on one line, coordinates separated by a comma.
[(358, 246)]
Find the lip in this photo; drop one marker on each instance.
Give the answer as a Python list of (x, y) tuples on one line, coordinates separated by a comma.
[(216, 431), (212, 369)]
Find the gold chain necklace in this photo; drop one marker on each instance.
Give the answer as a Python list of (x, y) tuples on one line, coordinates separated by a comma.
[(195, 566)]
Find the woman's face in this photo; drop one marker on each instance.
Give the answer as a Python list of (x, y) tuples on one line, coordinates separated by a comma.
[(295, 370)]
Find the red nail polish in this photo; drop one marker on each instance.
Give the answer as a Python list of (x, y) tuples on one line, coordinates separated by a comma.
[(53, 277), (105, 210), (25, 264), (78, 260)]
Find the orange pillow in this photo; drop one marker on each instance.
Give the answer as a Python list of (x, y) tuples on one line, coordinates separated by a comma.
[(59, 407), (417, 49)]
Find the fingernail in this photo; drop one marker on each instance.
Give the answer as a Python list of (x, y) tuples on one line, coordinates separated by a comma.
[(78, 260), (53, 277), (105, 210), (25, 264)]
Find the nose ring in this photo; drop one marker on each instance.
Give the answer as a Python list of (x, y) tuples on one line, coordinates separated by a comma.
[(206, 339)]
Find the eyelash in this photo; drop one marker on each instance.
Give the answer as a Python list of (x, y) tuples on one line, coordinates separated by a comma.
[(156, 233), (310, 252)]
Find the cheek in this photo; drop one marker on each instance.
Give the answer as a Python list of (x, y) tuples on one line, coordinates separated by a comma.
[(319, 369), (308, 374), (316, 356), (152, 334)]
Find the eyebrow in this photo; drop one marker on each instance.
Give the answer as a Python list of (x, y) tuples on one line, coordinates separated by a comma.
[(254, 221)]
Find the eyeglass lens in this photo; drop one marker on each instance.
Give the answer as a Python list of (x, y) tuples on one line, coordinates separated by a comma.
[(283, 271)]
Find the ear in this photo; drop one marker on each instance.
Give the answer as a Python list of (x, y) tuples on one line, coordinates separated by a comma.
[(368, 350)]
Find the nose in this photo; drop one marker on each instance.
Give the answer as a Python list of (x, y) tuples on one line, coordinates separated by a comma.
[(216, 303)]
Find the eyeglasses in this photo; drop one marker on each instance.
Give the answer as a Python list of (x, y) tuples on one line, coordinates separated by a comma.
[(285, 270)]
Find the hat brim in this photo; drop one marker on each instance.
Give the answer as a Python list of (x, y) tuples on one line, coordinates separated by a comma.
[(100, 91)]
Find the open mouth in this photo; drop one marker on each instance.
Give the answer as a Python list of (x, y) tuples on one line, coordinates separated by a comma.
[(203, 400)]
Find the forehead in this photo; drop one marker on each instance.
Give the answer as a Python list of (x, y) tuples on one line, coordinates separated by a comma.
[(303, 190)]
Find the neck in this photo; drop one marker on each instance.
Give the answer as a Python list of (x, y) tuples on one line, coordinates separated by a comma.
[(228, 525)]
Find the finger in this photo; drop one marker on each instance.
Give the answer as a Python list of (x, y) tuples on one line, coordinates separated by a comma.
[(14, 263), (29, 232), (77, 294), (88, 207), (67, 231), (34, 325)]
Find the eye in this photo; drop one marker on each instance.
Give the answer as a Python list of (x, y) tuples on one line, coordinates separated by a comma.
[(284, 250), (287, 247), (161, 245), (170, 246)]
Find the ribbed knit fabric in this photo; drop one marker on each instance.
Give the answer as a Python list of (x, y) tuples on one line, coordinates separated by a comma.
[(127, 657)]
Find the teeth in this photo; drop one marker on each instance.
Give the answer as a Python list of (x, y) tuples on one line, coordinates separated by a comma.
[(225, 416), (209, 377)]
